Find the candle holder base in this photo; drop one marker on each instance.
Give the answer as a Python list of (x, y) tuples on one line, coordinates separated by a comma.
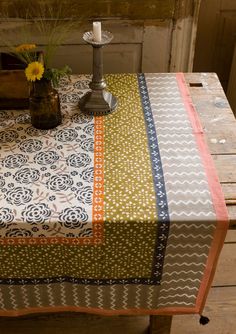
[(98, 103)]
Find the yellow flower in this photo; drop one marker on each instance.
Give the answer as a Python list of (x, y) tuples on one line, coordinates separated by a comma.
[(25, 47), (34, 71)]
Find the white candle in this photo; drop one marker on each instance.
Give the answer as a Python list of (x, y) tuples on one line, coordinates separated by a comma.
[(97, 32)]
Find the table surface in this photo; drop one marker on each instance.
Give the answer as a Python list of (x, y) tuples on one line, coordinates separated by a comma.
[(219, 126)]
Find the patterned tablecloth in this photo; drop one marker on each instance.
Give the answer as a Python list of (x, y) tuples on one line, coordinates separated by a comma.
[(121, 214)]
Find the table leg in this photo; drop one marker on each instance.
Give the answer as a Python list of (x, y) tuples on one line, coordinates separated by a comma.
[(160, 324)]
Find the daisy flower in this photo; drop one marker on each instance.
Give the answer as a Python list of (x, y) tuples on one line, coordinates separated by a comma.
[(25, 47), (34, 71)]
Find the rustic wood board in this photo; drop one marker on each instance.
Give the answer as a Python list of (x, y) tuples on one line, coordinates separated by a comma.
[(219, 126), (14, 90), (226, 269), (220, 309)]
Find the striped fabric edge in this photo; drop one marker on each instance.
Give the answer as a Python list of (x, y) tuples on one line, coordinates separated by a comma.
[(52, 309), (216, 194)]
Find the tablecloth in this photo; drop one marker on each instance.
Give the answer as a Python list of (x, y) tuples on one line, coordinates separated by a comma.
[(117, 214)]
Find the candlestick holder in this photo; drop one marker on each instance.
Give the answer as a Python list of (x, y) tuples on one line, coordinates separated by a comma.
[(98, 101)]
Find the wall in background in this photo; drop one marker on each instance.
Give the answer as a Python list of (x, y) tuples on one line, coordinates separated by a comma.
[(149, 36), (216, 38)]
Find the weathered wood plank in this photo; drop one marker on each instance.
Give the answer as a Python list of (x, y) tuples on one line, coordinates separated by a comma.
[(226, 167), (232, 215), (219, 126), (71, 323), (92, 8), (160, 324), (226, 269), (221, 310), (231, 237)]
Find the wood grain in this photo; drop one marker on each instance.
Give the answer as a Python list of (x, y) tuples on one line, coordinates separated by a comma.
[(14, 90), (160, 324), (219, 127)]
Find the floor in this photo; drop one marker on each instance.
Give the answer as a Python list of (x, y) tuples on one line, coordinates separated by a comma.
[(220, 308)]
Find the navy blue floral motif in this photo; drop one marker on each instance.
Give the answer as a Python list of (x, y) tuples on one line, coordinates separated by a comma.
[(74, 217), (46, 158), (2, 182), (23, 119), (70, 235), (31, 131), (87, 174), (89, 129), (4, 115), (60, 182), (66, 135), (19, 196), (63, 82), (81, 118), (81, 84), (31, 145), (69, 98), (6, 216), (8, 136), (88, 232), (36, 213), (87, 144), (78, 160), (27, 175), (18, 232), (85, 195), (15, 161)]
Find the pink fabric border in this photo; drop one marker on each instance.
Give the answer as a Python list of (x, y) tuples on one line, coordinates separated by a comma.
[(216, 193), (54, 309)]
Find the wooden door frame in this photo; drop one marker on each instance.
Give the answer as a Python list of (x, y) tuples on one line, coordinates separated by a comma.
[(184, 35)]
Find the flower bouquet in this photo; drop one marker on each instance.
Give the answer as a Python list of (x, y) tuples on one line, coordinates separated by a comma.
[(44, 101)]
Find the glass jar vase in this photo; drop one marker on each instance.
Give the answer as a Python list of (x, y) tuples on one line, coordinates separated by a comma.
[(44, 105)]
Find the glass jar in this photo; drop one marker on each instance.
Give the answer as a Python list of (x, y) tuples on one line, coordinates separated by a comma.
[(44, 105)]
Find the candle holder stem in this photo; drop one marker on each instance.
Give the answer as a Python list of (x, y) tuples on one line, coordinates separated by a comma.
[(98, 101), (98, 81)]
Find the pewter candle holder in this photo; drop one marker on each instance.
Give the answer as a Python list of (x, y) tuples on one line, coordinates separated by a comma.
[(98, 101)]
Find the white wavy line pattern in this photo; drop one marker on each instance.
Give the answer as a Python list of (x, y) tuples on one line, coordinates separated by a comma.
[(75, 295), (50, 295), (190, 226), (63, 294), (37, 295), (182, 303), (125, 297), (182, 288), (100, 297), (25, 295), (12, 297), (87, 296), (186, 254), (2, 305), (137, 296), (113, 297), (150, 296)]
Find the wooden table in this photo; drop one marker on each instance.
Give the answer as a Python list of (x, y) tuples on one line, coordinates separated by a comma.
[(219, 125)]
